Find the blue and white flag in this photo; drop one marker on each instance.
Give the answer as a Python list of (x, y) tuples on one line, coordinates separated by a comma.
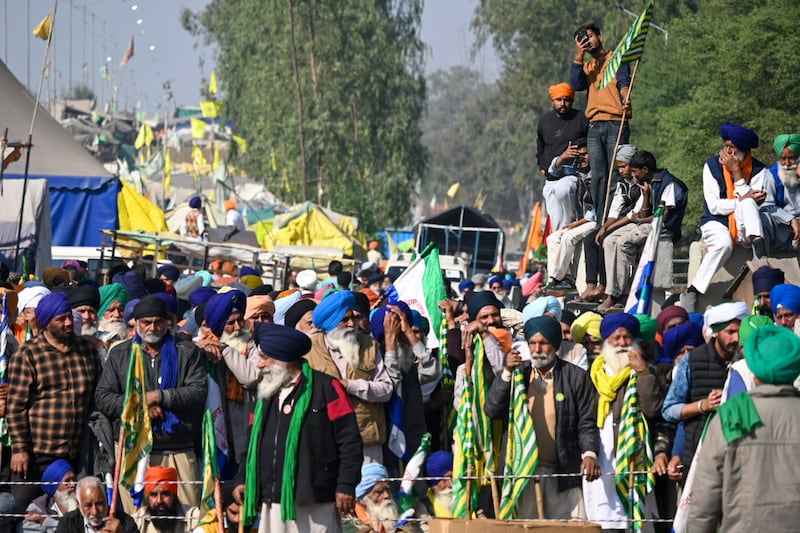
[(641, 296)]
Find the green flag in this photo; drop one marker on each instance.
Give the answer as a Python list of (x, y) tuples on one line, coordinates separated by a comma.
[(210, 467), (630, 48), (522, 453)]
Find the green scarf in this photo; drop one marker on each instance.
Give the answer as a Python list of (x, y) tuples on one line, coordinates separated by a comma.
[(738, 417), (288, 511)]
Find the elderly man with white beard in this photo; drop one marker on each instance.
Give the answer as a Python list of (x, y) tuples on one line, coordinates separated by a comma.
[(785, 172), (375, 510), (563, 406), (340, 351), (92, 515), (620, 361), (85, 300), (410, 365), (235, 362), (305, 450), (58, 484), (111, 327)]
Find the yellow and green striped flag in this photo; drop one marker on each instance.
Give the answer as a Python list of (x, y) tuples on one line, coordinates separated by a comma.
[(210, 467), (630, 48), (135, 420), (633, 454), (487, 459), (464, 455), (522, 453)]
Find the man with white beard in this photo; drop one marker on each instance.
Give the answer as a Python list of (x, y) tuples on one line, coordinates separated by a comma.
[(410, 365), (562, 403), (92, 516), (785, 172), (376, 511), (111, 326), (236, 364), (305, 451), (438, 502), (619, 361), (85, 300), (340, 351), (58, 485)]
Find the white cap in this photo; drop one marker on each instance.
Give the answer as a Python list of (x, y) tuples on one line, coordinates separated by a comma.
[(306, 280), (30, 297)]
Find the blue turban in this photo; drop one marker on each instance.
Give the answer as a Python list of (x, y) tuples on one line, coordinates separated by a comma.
[(376, 319), (480, 300), (420, 322), (495, 279), (697, 318), (50, 306), (195, 202), (686, 334), (508, 283), (133, 282), (371, 474), (220, 307), (281, 342), (612, 323), (170, 272), (282, 305), (766, 278), (248, 271), (547, 326), (744, 139), (129, 309), (172, 303), (785, 295), (438, 464), (207, 277), (331, 310), (539, 306), (466, 285), (201, 295), (54, 475)]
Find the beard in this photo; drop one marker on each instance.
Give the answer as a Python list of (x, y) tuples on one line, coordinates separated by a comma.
[(788, 175), (117, 326), (740, 155), (95, 521), (238, 340), (385, 513), (616, 358), (445, 499), (272, 379), (406, 356), (66, 500), (540, 360), (345, 340), (89, 328), (162, 510), (151, 338)]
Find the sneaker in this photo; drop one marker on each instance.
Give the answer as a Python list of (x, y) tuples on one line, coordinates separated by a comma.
[(563, 285)]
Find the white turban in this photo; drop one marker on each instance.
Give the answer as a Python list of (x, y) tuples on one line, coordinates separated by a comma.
[(723, 313), (30, 297)]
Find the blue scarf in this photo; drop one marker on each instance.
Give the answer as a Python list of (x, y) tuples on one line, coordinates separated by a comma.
[(169, 380)]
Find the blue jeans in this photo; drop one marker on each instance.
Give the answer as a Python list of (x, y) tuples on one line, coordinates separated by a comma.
[(600, 141)]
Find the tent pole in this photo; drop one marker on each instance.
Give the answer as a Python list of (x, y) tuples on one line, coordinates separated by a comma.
[(18, 262)]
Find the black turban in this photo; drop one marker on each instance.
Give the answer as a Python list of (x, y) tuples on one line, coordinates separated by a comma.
[(480, 300), (281, 342)]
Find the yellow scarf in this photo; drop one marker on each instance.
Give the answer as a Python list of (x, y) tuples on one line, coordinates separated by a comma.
[(438, 509), (607, 386)]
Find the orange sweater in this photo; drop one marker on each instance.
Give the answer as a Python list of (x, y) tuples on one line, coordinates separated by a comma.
[(602, 104)]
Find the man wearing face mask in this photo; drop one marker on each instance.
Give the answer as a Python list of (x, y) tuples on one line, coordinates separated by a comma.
[(735, 185), (562, 403), (176, 385)]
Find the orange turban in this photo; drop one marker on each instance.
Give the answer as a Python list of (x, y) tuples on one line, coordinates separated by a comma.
[(159, 475), (561, 90), (230, 204), (372, 296)]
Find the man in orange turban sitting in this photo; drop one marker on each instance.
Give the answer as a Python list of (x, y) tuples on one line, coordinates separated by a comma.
[(162, 506)]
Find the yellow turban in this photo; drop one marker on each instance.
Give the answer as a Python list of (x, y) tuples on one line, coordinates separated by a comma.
[(588, 322)]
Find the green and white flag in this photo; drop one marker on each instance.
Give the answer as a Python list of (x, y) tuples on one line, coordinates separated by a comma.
[(630, 48)]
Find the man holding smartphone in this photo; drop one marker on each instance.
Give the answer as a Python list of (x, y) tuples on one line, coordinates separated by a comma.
[(604, 107)]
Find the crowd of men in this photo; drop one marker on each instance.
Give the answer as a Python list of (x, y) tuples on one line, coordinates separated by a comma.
[(323, 391)]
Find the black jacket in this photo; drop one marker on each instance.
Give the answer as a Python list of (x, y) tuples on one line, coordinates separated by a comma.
[(576, 416), (187, 400), (72, 522), (329, 454)]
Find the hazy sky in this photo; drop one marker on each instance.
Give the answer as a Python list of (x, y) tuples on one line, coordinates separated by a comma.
[(98, 30)]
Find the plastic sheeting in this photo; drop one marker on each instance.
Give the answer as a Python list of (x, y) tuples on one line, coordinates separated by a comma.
[(35, 238)]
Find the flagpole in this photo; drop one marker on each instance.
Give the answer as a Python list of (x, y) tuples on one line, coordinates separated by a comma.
[(117, 471), (616, 146), (218, 504)]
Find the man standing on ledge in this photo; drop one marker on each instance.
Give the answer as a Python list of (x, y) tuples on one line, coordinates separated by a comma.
[(604, 107)]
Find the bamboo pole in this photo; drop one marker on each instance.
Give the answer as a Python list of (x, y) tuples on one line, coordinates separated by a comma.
[(495, 496), (218, 505), (117, 472), (616, 147), (537, 488)]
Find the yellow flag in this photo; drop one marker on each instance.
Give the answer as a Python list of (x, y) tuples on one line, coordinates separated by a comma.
[(145, 136), (453, 190), (198, 128), (167, 171), (273, 160), (217, 158), (198, 157), (240, 142), (212, 84), (210, 108), (42, 31)]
